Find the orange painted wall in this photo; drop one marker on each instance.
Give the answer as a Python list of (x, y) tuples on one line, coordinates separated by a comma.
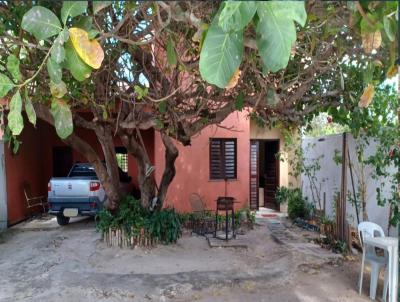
[(34, 164), (26, 166), (192, 166)]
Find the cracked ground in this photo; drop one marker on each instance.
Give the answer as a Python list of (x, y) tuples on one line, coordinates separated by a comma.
[(44, 262)]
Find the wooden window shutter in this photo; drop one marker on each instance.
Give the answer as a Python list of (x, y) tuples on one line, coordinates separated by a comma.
[(254, 174), (223, 159), (230, 159)]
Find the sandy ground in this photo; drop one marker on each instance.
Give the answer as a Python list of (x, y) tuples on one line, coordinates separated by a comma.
[(51, 263)]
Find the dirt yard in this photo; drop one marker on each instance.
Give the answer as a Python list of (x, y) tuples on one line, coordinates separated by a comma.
[(40, 261)]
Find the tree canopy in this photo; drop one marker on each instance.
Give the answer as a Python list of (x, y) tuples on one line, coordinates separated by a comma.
[(179, 67)]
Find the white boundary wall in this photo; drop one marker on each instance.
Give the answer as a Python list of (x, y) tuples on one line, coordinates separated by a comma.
[(329, 178)]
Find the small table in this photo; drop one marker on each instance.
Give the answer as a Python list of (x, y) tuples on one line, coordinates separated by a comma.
[(225, 204), (389, 244)]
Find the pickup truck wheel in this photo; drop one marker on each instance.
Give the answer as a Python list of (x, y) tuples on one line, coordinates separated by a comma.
[(62, 220)]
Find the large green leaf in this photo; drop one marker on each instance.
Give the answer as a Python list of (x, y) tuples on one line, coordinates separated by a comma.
[(30, 111), (99, 5), (58, 51), (390, 28), (15, 122), (5, 85), (58, 90), (62, 118), (73, 9), (276, 32), (79, 69), (162, 107), (14, 117), (292, 10), (171, 55), (54, 70), (220, 55), (41, 22), (13, 67), (83, 22), (16, 102), (236, 15), (239, 102)]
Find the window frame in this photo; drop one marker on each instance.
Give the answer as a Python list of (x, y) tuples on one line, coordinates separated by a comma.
[(122, 152), (222, 174)]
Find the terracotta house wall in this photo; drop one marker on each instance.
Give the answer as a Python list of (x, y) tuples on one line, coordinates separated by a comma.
[(26, 166), (34, 164), (192, 166)]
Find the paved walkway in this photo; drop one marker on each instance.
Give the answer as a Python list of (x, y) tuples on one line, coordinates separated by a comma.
[(281, 234)]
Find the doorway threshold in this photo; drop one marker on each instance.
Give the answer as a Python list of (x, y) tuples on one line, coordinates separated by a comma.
[(269, 213)]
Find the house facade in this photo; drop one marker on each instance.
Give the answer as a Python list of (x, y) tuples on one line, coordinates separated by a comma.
[(256, 173), (235, 158)]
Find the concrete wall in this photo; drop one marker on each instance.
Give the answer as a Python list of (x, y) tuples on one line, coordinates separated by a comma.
[(329, 178), (192, 166)]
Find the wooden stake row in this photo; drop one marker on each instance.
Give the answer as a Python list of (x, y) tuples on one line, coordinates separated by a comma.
[(119, 238)]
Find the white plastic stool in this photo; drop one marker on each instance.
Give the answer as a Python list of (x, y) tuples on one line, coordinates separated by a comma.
[(369, 229)]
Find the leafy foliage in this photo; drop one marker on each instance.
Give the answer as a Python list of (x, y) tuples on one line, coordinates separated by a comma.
[(223, 46), (41, 22), (62, 118), (221, 55), (155, 50), (30, 111), (73, 9), (54, 71), (236, 15), (171, 55), (5, 85), (13, 67), (276, 31), (78, 68), (298, 206), (89, 51), (15, 120), (164, 225)]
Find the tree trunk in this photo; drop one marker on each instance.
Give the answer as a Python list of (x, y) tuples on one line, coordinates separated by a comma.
[(77, 143), (104, 136), (171, 153), (146, 180)]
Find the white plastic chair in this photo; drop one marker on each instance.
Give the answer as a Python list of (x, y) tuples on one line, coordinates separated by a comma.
[(370, 229)]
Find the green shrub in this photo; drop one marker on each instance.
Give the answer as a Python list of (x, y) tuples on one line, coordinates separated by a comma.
[(282, 195), (164, 225), (246, 212), (249, 215), (130, 216), (297, 204)]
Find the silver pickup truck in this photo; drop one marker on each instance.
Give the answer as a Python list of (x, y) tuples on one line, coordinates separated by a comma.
[(79, 194)]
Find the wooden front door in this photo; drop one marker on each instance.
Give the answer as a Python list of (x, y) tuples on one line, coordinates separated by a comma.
[(62, 161), (271, 174), (254, 174)]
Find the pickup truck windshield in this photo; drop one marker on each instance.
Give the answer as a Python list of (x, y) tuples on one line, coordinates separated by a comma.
[(82, 170)]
